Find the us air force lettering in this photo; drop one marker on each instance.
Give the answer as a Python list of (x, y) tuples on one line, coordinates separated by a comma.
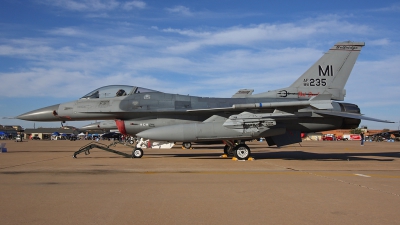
[(310, 104)]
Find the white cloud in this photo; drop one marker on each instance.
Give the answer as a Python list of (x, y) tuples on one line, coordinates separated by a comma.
[(392, 8), (181, 10), (85, 5), (25, 52), (262, 33), (98, 15), (60, 83), (375, 83), (134, 4), (94, 5), (379, 42), (66, 31), (189, 33), (254, 56)]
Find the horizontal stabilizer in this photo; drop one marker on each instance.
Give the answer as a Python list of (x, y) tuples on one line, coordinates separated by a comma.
[(351, 115), (243, 93), (321, 97), (323, 104)]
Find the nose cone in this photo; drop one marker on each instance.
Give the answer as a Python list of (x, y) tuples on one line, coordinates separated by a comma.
[(44, 114)]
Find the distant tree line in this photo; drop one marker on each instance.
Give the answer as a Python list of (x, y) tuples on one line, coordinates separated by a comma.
[(355, 131), (359, 130)]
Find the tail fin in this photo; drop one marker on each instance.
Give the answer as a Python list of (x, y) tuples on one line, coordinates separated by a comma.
[(327, 76), (331, 71)]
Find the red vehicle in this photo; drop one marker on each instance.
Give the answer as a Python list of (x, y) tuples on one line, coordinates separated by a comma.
[(333, 137), (328, 137)]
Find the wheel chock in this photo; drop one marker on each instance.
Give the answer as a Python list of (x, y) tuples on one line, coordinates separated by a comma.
[(249, 159), (224, 156)]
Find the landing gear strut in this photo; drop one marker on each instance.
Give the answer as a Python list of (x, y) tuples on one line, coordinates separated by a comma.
[(137, 152), (228, 150)]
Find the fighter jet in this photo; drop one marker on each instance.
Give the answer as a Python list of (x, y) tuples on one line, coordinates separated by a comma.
[(311, 104)]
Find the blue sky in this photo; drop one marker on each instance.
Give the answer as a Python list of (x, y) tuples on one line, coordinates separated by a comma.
[(54, 51)]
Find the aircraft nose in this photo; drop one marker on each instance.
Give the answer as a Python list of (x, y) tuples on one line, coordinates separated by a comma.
[(44, 114)]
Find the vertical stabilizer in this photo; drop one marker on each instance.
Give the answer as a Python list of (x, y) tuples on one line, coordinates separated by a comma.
[(327, 76), (331, 71)]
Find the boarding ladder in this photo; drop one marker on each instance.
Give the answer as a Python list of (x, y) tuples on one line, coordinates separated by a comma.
[(86, 148)]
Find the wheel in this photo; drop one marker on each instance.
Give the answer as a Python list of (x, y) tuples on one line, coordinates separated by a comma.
[(242, 152), (137, 153), (228, 150), (187, 145)]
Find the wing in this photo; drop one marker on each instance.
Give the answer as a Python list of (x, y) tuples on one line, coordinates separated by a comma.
[(350, 115), (321, 101)]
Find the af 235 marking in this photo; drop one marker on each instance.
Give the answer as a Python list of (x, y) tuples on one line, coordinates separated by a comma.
[(317, 82)]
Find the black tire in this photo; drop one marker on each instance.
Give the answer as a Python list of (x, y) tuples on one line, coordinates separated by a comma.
[(137, 153), (242, 152), (187, 145)]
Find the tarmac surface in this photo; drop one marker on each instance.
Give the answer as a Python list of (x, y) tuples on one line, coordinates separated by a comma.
[(312, 183)]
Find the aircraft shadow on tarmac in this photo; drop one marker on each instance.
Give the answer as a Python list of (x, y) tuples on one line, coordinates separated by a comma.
[(301, 155), (37, 151), (295, 155), (272, 152), (259, 152)]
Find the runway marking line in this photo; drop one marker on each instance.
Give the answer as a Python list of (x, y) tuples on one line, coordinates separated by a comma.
[(361, 175), (357, 185), (33, 162)]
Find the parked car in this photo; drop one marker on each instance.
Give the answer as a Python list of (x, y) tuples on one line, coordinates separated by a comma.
[(333, 137), (329, 137), (111, 135)]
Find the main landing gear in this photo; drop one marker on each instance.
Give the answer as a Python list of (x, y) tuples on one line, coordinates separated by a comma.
[(186, 145), (240, 151)]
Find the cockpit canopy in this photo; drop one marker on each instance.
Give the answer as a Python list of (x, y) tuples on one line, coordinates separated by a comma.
[(112, 91)]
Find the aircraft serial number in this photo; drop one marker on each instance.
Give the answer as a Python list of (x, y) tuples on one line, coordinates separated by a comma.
[(317, 82)]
